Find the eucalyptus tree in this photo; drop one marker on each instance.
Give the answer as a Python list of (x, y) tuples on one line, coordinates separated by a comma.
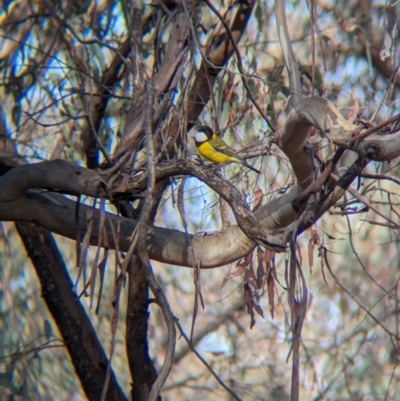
[(99, 102)]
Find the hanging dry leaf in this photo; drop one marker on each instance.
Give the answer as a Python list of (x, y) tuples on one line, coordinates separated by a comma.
[(102, 268), (314, 240), (245, 185), (354, 110), (248, 302), (322, 254), (258, 196), (181, 203), (261, 268), (269, 255), (252, 300), (240, 269), (271, 293)]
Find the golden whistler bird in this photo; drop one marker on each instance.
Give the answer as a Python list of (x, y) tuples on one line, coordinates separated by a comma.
[(213, 148)]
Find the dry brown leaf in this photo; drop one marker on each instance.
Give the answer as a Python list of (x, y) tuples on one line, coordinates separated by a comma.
[(271, 293), (240, 268), (354, 110), (314, 240), (260, 274), (181, 203), (258, 196), (268, 255), (102, 268), (322, 256)]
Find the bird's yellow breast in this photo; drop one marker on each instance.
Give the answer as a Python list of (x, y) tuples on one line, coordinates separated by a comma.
[(207, 151)]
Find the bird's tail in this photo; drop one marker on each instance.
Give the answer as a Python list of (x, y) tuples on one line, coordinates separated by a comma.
[(250, 167)]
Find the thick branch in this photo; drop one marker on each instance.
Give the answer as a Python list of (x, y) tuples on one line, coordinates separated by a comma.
[(140, 364), (80, 338), (321, 113), (57, 214), (17, 206), (170, 246)]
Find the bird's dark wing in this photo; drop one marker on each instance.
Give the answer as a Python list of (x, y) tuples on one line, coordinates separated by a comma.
[(219, 145)]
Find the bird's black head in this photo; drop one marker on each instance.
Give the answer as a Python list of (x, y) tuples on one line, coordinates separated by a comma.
[(203, 133)]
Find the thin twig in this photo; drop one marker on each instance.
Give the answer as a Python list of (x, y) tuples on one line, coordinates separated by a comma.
[(367, 311), (355, 253), (366, 202), (377, 223), (143, 251), (230, 391), (385, 93), (240, 64), (380, 177), (298, 313), (374, 129)]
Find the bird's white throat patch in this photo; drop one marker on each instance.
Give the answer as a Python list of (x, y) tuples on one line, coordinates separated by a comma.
[(201, 136)]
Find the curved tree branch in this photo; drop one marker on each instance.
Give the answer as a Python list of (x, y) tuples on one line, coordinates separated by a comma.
[(50, 211), (171, 246)]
